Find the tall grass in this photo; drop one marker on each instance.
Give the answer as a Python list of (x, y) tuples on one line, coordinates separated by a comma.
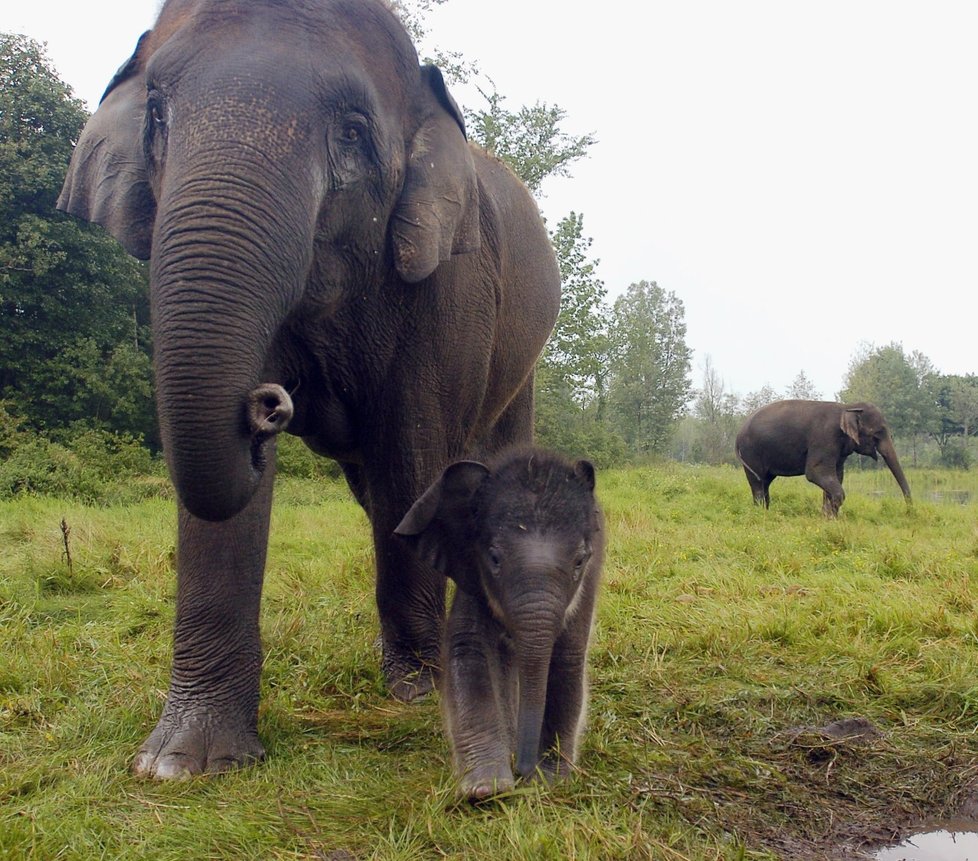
[(726, 637)]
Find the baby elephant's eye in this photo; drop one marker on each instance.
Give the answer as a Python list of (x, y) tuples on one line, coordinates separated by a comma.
[(495, 559), (581, 560)]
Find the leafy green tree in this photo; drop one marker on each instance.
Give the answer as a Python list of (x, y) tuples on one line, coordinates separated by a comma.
[(649, 381), (578, 348), (964, 403), (413, 14), (73, 306), (572, 374), (957, 400), (530, 140)]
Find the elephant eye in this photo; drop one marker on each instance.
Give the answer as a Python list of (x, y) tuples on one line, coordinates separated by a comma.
[(495, 559), (580, 560), (156, 108), (353, 129)]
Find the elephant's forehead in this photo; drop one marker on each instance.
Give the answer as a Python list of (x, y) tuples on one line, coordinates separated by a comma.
[(249, 114)]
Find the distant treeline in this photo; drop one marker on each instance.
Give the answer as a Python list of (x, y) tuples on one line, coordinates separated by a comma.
[(614, 382)]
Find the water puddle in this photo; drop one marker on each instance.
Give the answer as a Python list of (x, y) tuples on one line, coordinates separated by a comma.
[(934, 846), (961, 497)]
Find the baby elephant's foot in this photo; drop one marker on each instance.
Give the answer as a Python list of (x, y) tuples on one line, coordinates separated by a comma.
[(484, 782), (550, 769)]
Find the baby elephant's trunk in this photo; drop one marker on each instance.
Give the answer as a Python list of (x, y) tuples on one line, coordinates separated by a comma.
[(532, 705)]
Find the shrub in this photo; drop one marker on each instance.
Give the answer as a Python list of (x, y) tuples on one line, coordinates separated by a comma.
[(83, 463)]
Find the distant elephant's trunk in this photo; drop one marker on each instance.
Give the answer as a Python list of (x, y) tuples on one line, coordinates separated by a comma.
[(886, 448), (228, 263)]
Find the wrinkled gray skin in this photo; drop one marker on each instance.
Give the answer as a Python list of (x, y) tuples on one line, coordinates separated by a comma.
[(813, 438), (523, 539), (328, 254)]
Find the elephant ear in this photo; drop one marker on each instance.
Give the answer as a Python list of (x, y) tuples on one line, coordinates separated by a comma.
[(438, 211), (440, 527), (106, 181), (850, 423), (584, 470)]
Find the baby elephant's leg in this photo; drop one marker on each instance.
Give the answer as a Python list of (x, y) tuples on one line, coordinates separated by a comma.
[(478, 727), (565, 711)]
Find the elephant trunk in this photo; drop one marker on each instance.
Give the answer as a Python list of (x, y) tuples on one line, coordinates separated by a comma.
[(225, 271), (534, 669), (537, 625), (888, 451)]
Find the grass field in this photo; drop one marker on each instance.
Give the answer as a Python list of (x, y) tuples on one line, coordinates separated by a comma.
[(726, 637)]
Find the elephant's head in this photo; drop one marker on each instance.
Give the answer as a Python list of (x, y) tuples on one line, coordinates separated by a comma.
[(868, 434), (524, 536), (260, 154)]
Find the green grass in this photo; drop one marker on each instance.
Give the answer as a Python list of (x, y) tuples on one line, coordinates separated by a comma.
[(725, 636)]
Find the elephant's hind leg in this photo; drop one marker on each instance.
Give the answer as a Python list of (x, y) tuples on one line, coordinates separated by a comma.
[(210, 719), (411, 604), (759, 486)]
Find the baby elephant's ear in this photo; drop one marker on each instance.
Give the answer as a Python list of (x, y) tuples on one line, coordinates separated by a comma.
[(437, 525), (584, 470)]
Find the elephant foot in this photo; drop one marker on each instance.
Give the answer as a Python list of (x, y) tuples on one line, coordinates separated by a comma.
[(409, 675), (485, 782), (551, 768), (196, 741)]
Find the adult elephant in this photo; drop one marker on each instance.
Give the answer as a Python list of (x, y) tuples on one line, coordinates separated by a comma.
[(813, 438), (328, 253)]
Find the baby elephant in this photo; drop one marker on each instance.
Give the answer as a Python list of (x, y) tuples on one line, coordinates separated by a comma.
[(522, 538)]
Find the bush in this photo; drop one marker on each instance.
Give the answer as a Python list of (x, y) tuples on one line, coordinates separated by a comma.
[(956, 455), (294, 458), (84, 463)]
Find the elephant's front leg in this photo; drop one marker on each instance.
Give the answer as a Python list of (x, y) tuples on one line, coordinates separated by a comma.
[(566, 705), (478, 701), (209, 721)]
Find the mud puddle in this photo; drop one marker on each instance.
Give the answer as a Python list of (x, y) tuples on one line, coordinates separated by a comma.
[(953, 842)]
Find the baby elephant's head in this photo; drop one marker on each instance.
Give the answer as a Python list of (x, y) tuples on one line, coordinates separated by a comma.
[(523, 532)]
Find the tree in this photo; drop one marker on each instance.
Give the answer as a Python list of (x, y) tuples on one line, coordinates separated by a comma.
[(649, 381), (572, 373), (716, 409), (755, 400), (957, 400), (577, 349), (413, 14), (964, 403), (803, 389), (529, 140), (73, 304)]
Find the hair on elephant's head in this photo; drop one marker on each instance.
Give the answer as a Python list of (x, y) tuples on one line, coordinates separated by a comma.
[(261, 153), (527, 523)]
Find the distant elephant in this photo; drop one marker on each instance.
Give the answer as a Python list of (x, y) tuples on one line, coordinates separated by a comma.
[(523, 539), (327, 253), (813, 438)]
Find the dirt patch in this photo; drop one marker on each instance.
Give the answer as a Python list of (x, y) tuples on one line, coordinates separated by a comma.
[(835, 792)]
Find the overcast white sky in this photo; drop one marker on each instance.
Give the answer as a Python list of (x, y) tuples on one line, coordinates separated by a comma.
[(804, 176)]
